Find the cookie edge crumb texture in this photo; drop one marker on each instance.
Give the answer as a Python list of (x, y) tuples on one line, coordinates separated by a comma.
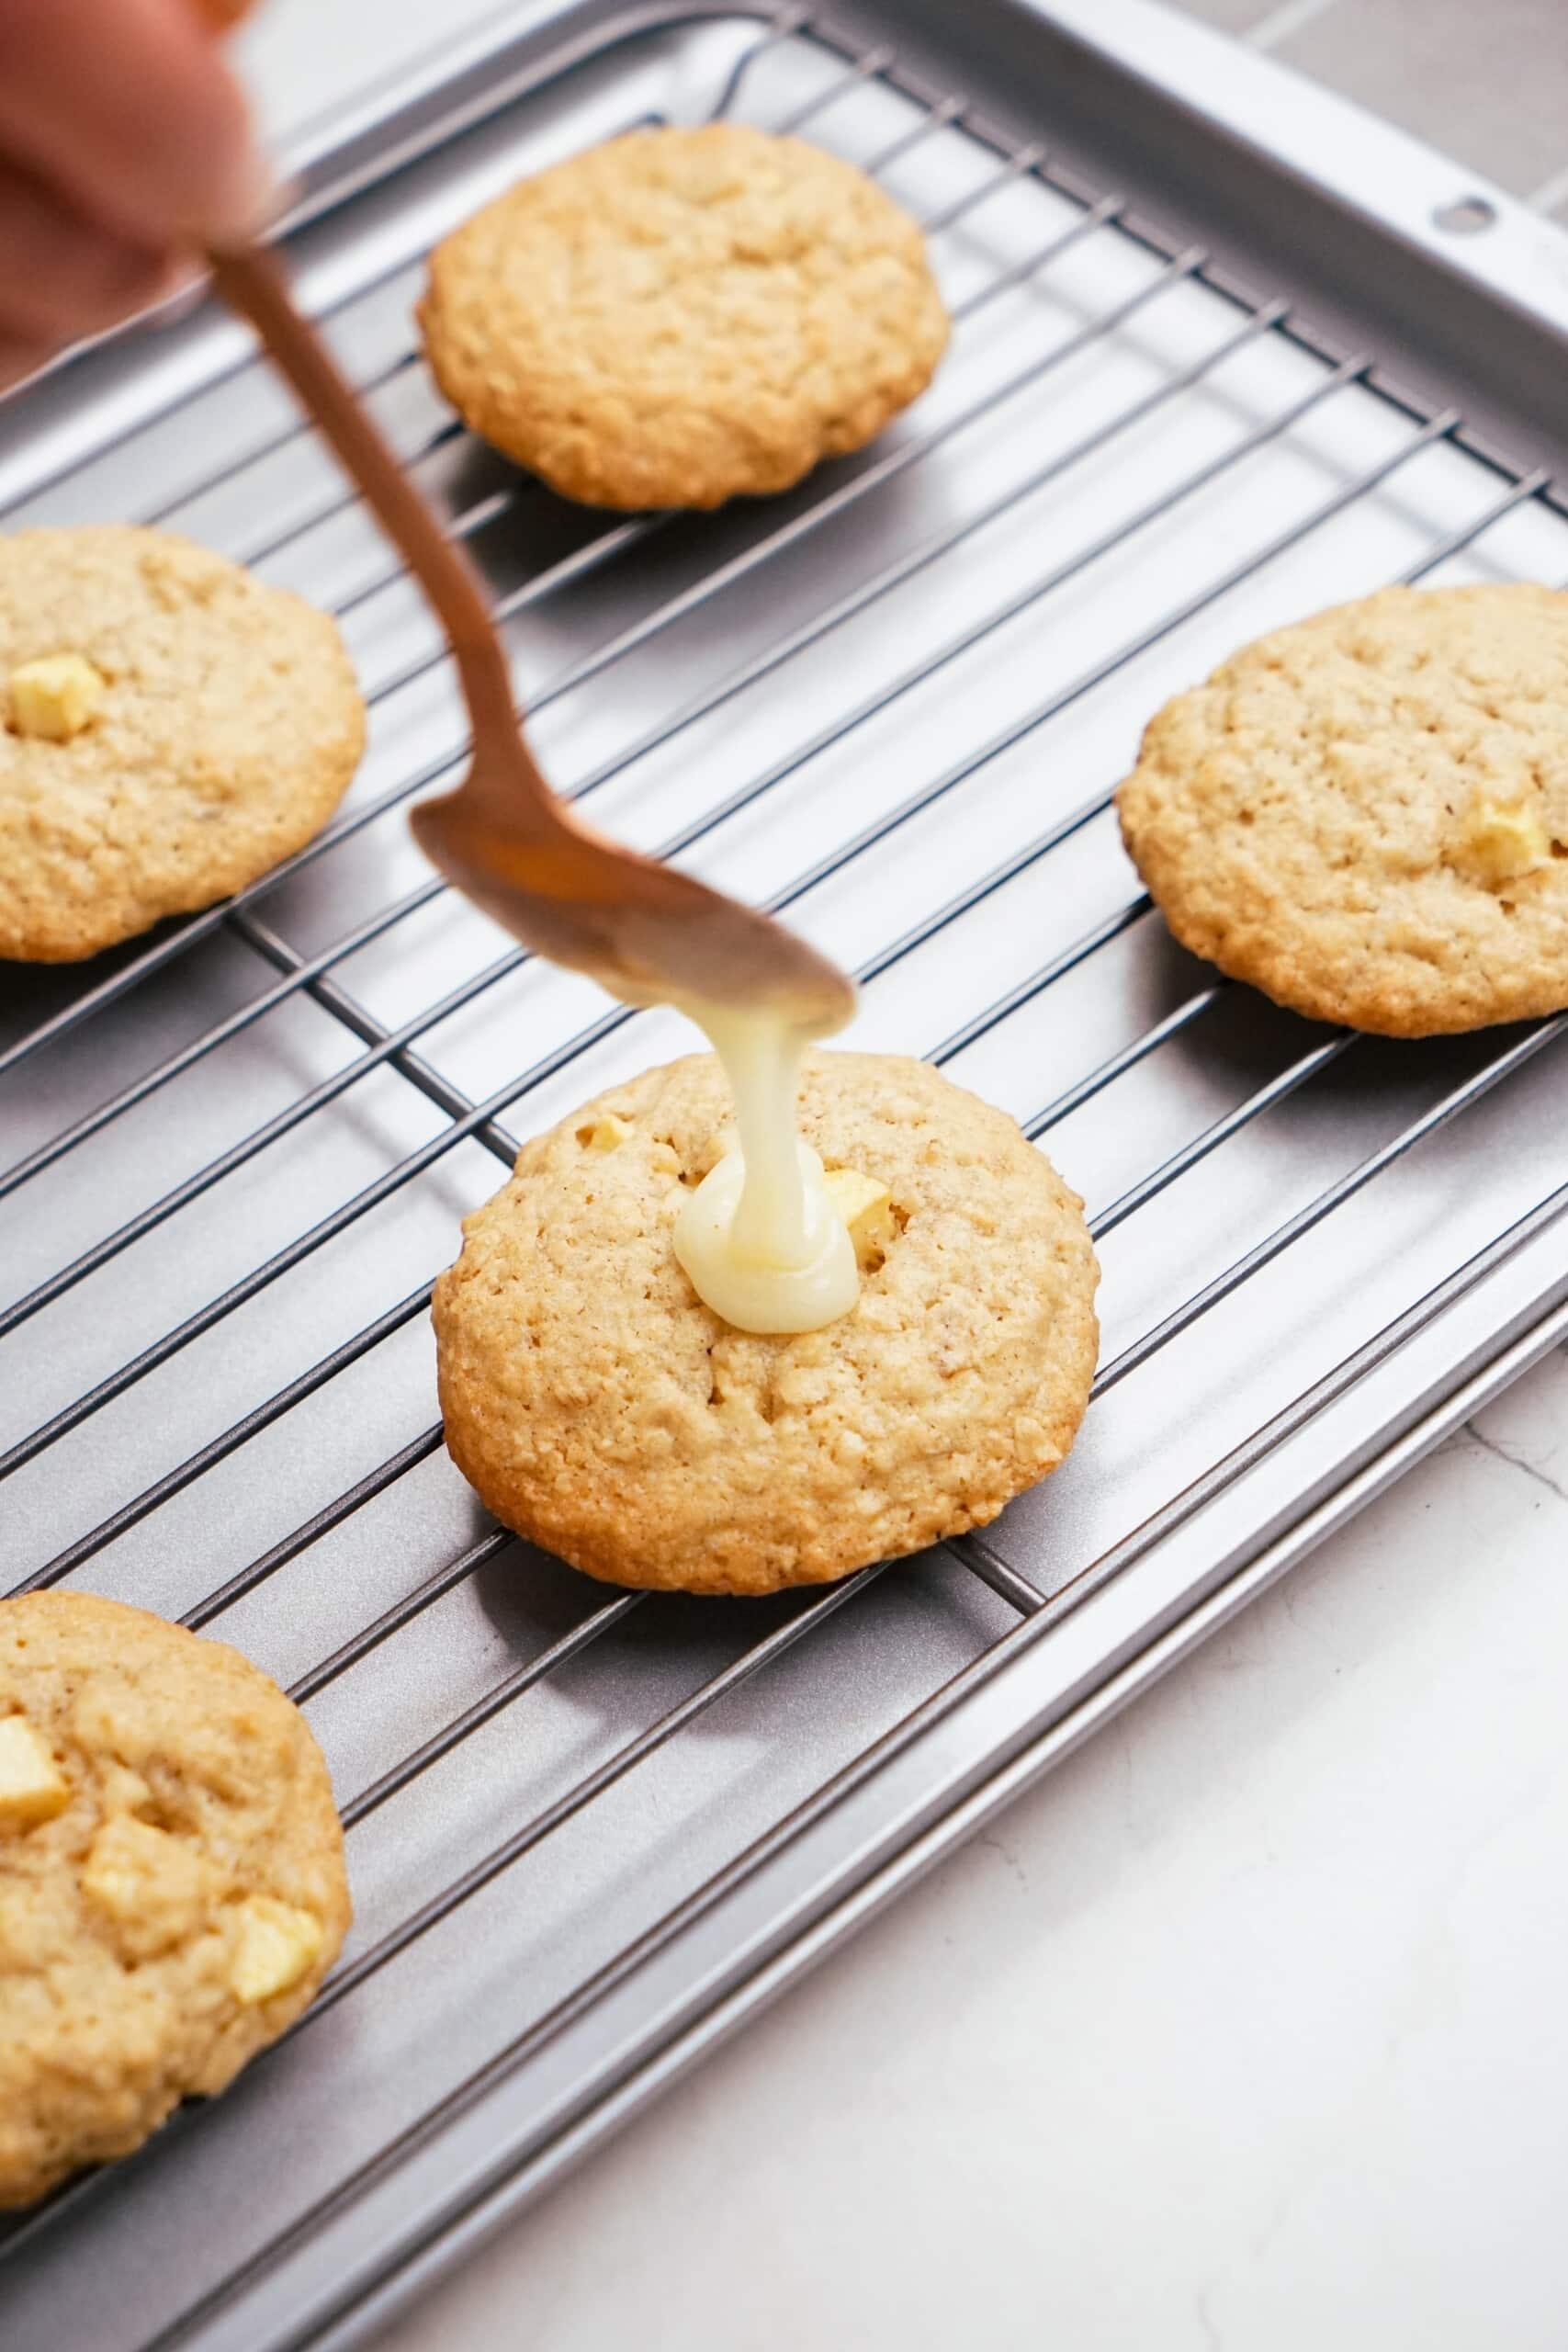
[(595, 446), (80, 901), (1380, 993), (131, 2113), (593, 1522)]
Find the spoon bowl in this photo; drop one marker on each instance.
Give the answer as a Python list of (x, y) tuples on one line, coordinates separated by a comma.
[(646, 932)]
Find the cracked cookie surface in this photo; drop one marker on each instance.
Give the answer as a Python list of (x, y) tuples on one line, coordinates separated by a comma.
[(226, 729), (1366, 815), (680, 316), (172, 1881), (602, 1410)]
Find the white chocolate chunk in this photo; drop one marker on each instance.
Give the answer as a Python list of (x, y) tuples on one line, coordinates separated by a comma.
[(150, 1886), (1501, 842), (866, 1208), (277, 1944), (55, 697), (32, 1788), (608, 1132)]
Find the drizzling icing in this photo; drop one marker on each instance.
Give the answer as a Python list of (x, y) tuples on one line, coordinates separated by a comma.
[(760, 1239)]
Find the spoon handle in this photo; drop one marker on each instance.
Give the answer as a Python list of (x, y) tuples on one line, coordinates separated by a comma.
[(251, 283)]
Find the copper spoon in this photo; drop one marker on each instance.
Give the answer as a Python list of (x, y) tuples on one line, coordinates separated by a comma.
[(647, 933)]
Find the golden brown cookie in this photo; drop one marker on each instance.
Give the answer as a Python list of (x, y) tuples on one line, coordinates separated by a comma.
[(172, 1883), (683, 315), (170, 729), (1366, 815), (602, 1410)]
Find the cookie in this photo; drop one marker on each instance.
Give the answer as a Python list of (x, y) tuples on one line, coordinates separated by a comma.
[(172, 1885), (600, 1410), (1366, 815), (680, 316), (170, 729)]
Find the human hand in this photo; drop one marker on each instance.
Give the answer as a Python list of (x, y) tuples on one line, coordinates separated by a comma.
[(124, 143)]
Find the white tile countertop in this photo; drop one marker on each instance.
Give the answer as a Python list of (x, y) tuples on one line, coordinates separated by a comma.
[(1245, 2029)]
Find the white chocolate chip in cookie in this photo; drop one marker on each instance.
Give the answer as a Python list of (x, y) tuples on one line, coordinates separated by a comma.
[(603, 1410), (277, 1943), (150, 1887), (32, 1788), (221, 734), (56, 698), (185, 1786), (605, 1134), (1344, 814), (1501, 840), (867, 1207)]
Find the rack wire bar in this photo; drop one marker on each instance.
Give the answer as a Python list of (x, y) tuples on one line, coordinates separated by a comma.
[(483, 1711), (998, 1572), (116, 1384), (283, 1120), (414, 1066), (301, 973), (402, 1612), (554, 1816), (1009, 1584), (871, 478), (318, 977), (283, 1400), (1128, 1057), (1038, 1616), (1333, 1197), (942, 1703), (785, 25), (1298, 1074), (322, 1522), (286, 435), (856, 600), (338, 501), (894, 575)]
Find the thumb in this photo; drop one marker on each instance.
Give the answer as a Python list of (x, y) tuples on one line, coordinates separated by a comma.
[(129, 106)]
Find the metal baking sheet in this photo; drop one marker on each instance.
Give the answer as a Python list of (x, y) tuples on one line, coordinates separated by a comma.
[(1194, 389)]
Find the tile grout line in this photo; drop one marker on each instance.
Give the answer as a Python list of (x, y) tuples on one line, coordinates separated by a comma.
[(1292, 17), (1550, 193), (1278, 24)]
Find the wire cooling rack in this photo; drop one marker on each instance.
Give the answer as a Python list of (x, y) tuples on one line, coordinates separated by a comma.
[(893, 708)]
